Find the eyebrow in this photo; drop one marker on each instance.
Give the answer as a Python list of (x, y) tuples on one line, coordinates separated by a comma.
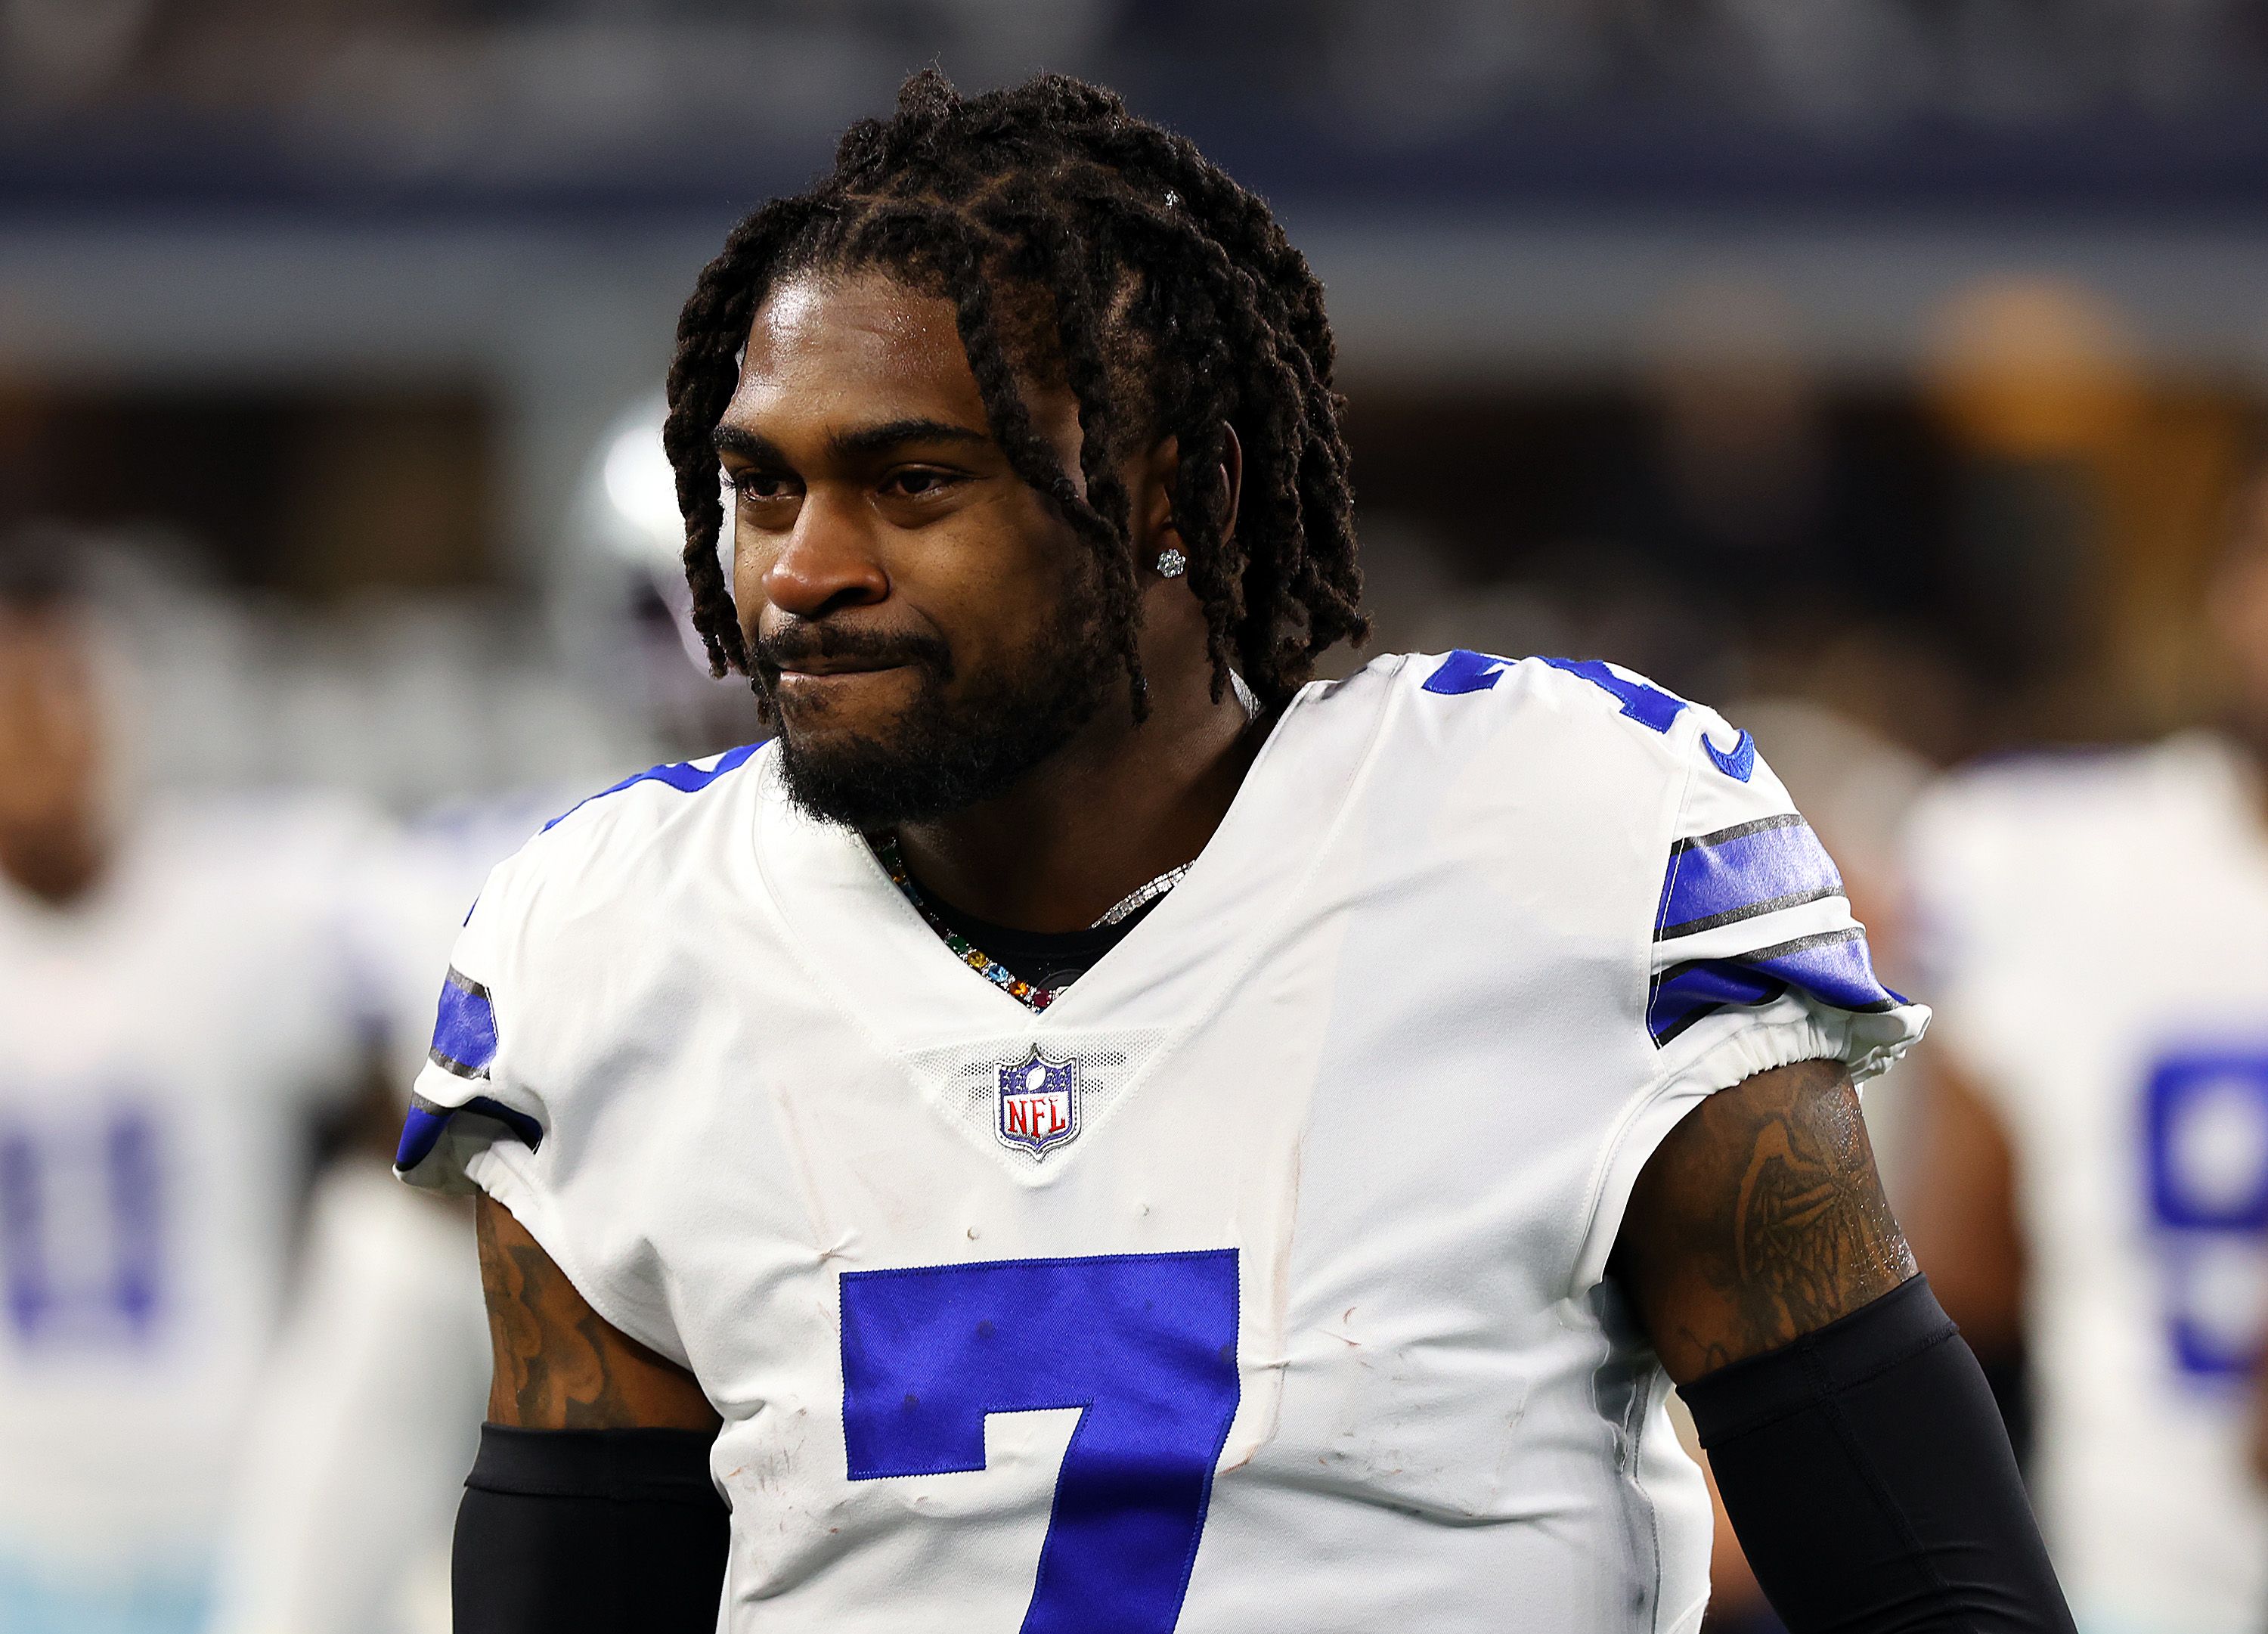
[(732, 439), (866, 440), (874, 440)]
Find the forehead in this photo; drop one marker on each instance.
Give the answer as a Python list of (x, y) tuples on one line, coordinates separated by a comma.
[(841, 347)]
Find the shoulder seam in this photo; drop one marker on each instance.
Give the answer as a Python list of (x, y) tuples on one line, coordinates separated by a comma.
[(686, 777)]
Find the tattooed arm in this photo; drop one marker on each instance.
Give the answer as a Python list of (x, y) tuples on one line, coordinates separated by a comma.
[(1759, 1220), (1854, 1441), (590, 1506), (559, 1365)]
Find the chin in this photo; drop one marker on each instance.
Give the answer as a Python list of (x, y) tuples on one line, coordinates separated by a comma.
[(919, 767), (864, 782), (880, 748)]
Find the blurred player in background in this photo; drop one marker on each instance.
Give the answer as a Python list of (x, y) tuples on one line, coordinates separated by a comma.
[(176, 1012), (373, 1408), (2094, 1173)]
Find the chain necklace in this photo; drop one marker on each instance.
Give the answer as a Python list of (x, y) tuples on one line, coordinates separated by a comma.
[(1143, 895), (886, 849)]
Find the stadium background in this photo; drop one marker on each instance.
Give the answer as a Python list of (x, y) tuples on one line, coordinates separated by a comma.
[(1882, 370)]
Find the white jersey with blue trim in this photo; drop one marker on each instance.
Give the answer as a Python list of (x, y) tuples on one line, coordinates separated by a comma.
[(164, 1045), (2092, 924), (1257, 1283)]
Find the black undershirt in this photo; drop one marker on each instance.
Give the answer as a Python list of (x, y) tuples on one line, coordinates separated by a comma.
[(1046, 958)]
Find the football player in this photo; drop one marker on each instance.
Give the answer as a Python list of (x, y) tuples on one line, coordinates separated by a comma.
[(370, 1411), (2096, 1164), (175, 1012), (1088, 1131)]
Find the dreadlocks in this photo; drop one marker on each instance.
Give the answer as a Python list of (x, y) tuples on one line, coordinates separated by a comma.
[(1102, 252)]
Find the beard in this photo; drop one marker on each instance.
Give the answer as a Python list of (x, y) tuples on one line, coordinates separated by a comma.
[(942, 754)]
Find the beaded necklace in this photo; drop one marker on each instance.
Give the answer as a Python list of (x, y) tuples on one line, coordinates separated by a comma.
[(886, 849)]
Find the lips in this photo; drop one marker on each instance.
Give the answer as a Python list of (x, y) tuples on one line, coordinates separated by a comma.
[(822, 684), (844, 655), (824, 669), (802, 654)]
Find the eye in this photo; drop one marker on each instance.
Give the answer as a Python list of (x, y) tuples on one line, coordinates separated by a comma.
[(756, 487), (918, 482)]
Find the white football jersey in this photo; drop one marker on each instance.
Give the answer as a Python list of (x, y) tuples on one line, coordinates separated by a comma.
[(1256, 1283), (367, 1422), (2093, 927), (163, 1045), (411, 901)]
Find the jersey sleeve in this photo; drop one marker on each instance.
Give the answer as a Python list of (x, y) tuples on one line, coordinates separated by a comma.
[(1755, 960), (468, 1095), (546, 1085)]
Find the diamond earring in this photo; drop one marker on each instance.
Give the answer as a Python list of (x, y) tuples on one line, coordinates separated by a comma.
[(1172, 565)]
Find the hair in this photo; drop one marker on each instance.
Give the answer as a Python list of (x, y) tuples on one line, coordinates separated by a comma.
[(1177, 307)]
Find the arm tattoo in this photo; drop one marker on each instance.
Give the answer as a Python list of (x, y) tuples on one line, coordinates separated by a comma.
[(1759, 1220), (559, 1365)]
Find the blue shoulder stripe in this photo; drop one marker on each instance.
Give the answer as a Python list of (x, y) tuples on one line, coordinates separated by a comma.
[(423, 1129), (1833, 967), (1739, 873), (685, 777), (465, 1028)]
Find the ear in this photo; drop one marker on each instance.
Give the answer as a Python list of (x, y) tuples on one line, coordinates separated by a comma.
[(1154, 529), (1231, 473)]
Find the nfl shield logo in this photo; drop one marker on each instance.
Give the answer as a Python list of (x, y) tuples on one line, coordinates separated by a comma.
[(1038, 1103)]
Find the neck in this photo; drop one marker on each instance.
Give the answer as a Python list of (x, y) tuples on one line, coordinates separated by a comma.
[(1113, 809), (57, 868), (2246, 733)]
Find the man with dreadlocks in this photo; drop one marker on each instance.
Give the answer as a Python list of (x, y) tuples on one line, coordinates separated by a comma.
[(1089, 1131)]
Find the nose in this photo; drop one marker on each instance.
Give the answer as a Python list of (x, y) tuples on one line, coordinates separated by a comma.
[(824, 562)]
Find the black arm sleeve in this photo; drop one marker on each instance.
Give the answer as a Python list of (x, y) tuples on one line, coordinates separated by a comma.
[(565, 1531), (1865, 1468)]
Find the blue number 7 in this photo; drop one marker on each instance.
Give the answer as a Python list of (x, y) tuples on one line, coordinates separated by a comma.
[(1145, 1343)]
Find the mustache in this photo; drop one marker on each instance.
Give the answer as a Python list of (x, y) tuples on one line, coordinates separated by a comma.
[(797, 641)]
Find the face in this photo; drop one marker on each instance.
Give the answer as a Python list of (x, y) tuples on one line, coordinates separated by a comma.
[(2237, 611), (50, 748), (925, 624)]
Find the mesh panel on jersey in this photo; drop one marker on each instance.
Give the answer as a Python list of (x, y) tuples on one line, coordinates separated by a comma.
[(965, 1080)]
